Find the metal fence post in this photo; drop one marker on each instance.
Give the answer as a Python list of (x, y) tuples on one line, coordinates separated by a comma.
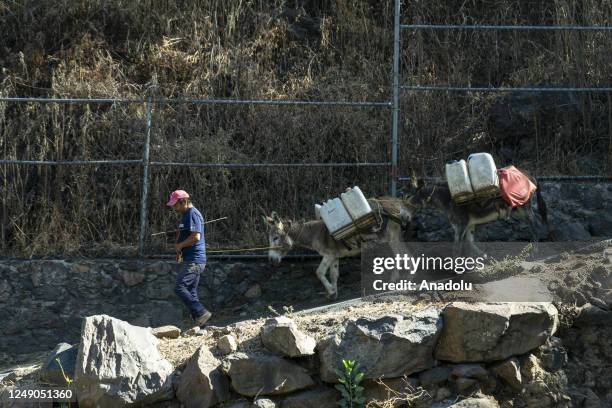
[(145, 181), (4, 211), (396, 89)]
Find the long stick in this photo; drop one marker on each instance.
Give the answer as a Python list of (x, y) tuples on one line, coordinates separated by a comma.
[(207, 222)]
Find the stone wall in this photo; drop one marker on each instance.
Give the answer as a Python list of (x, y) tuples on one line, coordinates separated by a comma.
[(43, 302)]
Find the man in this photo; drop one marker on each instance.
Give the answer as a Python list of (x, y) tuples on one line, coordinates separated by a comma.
[(191, 251)]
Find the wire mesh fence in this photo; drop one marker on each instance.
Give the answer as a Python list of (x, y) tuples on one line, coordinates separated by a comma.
[(89, 166), (538, 95), (94, 173)]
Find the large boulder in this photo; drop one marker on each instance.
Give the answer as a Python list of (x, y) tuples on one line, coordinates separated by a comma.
[(255, 374), (51, 371), (495, 331), (119, 364), (390, 346), (281, 335), (202, 383)]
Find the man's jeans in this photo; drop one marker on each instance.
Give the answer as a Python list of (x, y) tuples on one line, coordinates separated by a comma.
[(187, 287)]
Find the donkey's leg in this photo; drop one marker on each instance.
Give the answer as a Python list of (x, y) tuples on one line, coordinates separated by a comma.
[(322, 270), (469, 235), (456, 239), (459, 236), (334, 272), (531, 220), (525, 212)]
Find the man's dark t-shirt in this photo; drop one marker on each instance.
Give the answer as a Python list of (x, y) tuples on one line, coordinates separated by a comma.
[(192, 221)]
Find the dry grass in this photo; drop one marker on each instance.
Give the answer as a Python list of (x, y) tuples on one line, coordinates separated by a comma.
[(338, 50), (407, 396)]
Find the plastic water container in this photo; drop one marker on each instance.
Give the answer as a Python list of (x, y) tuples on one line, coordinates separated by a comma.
[(355, 203), (458, 180), (318, 211), (334, 215), (483, 174)]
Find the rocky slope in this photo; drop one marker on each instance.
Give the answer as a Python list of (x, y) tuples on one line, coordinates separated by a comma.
[(424, 350), (436, 355)]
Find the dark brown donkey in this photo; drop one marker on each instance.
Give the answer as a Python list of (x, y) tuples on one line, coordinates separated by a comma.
[(465, 217)]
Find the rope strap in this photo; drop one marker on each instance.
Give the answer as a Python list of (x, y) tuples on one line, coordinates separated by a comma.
[(241, 249)]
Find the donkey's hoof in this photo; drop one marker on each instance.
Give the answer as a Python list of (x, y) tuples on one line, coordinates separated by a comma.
[(332, 296)]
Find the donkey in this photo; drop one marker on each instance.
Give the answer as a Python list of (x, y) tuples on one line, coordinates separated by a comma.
[(283, 235), (465, 217)]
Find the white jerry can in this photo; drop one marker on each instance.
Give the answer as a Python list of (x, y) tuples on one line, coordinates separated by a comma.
[(483, 174), (317, 211), (334, 215), (458, 180), (356, 203)]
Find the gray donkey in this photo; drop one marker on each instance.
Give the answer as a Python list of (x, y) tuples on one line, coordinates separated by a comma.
[(465, 217), (286, 234)]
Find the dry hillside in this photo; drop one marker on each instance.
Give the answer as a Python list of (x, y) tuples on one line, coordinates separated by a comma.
[(311, 50)]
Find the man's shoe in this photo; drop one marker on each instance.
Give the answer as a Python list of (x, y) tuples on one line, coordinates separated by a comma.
[(203, 319)]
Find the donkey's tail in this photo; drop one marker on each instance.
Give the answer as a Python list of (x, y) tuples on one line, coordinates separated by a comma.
[(541, 205)]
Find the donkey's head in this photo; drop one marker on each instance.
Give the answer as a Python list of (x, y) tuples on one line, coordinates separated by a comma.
[(418, 195), (278, 237)]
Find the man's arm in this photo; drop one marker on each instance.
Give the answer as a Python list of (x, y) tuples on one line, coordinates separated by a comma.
[(191, 240), (194, 225)]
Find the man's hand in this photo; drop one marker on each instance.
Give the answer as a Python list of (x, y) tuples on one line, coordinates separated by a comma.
[(191, 240), (179, 252)]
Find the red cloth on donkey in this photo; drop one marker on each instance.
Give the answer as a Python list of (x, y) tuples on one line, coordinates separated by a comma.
[(516, 188)]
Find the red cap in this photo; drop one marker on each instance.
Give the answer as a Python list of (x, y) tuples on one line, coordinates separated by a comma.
[(175, 196)]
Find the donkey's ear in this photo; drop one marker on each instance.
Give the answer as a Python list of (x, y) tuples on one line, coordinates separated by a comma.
[(275, 216), (413, 179)]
